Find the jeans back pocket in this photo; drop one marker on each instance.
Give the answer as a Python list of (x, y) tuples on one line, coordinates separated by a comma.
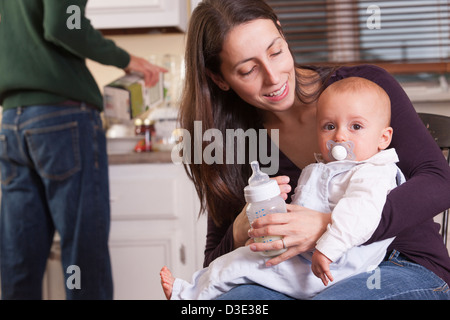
[(55, 150)]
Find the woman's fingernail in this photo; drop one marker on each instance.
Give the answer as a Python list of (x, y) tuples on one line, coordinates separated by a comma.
[(253, 248)]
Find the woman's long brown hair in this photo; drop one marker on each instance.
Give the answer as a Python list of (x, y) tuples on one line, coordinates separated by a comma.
[(220, 186)]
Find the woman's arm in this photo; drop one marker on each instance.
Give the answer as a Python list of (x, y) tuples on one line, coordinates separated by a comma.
[(223, 239), (426, 192), (219, 241)]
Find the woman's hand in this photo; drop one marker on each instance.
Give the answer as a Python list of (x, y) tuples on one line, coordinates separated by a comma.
[(300, 227), (283, 183)]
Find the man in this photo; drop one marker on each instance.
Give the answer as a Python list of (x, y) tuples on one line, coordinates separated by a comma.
[(53, 157)]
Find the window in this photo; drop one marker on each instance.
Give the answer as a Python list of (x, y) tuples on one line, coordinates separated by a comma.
[(401, 36)]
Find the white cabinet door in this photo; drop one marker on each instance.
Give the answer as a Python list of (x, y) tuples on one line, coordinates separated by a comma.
[(136, 260), (154, 223), (117, 14)]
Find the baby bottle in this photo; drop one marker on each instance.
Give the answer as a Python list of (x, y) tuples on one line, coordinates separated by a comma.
[(263, 197)]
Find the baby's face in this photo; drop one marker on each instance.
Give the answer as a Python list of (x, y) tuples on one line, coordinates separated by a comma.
[(356, 117)]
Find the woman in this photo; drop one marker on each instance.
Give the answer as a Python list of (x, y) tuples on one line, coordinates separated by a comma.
[(241, 74)]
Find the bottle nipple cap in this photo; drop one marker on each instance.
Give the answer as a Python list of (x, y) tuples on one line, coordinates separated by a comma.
[(260, 186), (258, 177)]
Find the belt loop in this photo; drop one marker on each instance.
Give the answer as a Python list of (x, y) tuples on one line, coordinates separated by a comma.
[(83, 106), (390, 255), (19, 111), (395, 253)]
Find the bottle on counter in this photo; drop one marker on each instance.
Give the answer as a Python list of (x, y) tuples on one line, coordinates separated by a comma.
[(147, 135), (145, 129), (263, 197), (138, 128)]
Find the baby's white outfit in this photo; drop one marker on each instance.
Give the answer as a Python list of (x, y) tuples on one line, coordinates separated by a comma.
[(355, 192)]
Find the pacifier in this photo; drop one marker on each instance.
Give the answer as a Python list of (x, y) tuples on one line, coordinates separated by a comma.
[(340, 150)]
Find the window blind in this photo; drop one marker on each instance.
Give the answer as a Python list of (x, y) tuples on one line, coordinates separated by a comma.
[(402, 36)]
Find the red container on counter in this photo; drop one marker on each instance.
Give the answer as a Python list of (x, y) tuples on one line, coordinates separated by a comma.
[(146, 129)]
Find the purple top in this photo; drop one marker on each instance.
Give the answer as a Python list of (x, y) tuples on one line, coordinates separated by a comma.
[(410, 208)]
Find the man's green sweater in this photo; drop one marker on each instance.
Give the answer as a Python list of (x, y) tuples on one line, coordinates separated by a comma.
[(43, 48)]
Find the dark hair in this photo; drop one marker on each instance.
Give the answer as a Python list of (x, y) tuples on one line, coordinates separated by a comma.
[(220, 186)]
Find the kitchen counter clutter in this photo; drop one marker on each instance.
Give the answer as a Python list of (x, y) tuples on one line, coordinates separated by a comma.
[(153, 133), (140, 158)]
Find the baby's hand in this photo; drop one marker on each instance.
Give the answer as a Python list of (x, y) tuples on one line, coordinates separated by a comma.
[(321, 267)]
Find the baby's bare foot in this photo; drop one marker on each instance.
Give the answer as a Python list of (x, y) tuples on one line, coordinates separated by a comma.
[(167, 281)]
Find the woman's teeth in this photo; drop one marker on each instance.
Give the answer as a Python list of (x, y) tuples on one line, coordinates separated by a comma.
[(279, 92)]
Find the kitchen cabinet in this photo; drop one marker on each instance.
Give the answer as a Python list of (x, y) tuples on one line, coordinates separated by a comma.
[(154, 211), (119, 14), (154, 223)]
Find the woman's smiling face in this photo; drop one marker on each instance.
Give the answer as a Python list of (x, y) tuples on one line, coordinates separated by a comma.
[(258, 66)]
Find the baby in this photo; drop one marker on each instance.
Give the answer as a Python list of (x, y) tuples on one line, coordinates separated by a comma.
[(351, 180)]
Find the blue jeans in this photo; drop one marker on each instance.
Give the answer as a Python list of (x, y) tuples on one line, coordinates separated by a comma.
[(54, 171), (395, 279)]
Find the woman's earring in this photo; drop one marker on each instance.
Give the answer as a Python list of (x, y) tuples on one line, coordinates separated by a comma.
[(224, 87)]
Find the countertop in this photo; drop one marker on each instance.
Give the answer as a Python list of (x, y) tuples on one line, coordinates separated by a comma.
[(140, 158)]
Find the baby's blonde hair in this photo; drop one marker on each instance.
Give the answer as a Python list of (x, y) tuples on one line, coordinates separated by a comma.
[(357, 85)]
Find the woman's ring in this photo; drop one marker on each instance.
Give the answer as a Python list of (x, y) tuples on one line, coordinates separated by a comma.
[(284, 244)]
